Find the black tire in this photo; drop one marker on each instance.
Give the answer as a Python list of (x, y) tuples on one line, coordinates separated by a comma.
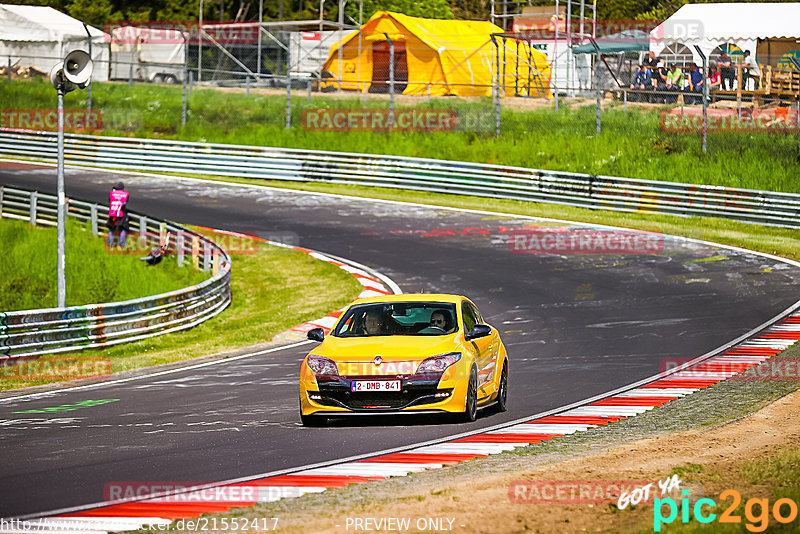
[(158, 79), (313, 421), (470, 413), (502, 390)]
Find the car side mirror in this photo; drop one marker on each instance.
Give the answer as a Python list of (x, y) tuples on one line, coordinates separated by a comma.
[(478, 331), (316, 334)]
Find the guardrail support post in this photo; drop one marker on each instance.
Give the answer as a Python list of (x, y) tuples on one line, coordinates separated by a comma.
[(206, 257), (142, 231), (179, 244), (34, 202), (195, 252), (93, 218)]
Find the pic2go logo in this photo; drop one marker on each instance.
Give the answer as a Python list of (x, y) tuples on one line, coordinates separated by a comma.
[(784, 511)]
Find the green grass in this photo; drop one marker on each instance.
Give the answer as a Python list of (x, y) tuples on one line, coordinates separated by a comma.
[(631, 145), (273, 290), (28, 281)]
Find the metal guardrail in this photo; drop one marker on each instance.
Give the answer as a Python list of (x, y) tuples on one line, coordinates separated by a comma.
[(31, 333), (441, 176)]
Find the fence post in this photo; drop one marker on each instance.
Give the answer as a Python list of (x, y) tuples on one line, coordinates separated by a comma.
[(310, 86), (1, 201), (179, 244), (162, 234), (289, 88), (130, 73), (195, 252), (247, 86), (186, 74), (8, 72), (625, 100), (215, 262), (497, 87), (34, 200), (93, 218), (705, 98), (391, 80)]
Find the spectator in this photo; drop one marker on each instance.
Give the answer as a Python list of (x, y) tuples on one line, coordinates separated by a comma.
[(651, 62), (726, 71), (660, 81), (674, 81), (641, 80), (117, 214), (752, 71), (714, 81), (695, 82)]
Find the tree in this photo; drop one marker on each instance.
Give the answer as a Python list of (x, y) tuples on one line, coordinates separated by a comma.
[(432, 9), (93, 12), (470, 9)]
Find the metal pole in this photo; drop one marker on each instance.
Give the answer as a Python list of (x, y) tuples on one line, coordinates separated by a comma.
[(554, 73), (360, 37), (797, 118), (598, 124), (89, 87), (391, 80), (62, 205), (289, 86), (185, 103), (310, 86), (568, 30), (258, 32), (247, 86), (200, 45), (341, 25), (705, 98), (497, 88), (93, 218), (8, 72)]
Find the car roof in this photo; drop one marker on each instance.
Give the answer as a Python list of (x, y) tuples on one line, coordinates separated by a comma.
[(412, 297)]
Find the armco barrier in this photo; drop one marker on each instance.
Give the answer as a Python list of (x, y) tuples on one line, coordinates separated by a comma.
[(30, 333), (495, 181)]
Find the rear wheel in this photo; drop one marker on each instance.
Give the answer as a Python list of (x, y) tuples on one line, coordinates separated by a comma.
[(471, 402)]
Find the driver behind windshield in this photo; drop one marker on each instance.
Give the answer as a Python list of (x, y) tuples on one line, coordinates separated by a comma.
[(438, 320), (372, 323)]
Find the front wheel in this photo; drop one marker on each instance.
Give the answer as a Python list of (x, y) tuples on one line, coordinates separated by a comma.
[(471, 402), (502, 389), (313, 421)]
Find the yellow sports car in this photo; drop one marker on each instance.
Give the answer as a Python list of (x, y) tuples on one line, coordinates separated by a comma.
[(421, 353)]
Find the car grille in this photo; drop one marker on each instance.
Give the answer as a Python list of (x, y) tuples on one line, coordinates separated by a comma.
[(410, 396)]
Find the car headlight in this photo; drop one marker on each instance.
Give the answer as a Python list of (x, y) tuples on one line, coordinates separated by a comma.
[(438, 364), (322, 366)]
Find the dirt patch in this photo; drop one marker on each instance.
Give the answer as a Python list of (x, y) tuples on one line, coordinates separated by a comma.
[(481, 503)]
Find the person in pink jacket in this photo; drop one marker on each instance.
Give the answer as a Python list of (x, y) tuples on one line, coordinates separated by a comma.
[(117, 222)]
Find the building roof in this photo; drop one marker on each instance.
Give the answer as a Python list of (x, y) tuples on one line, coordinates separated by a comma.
[(42, 23), (696, 23)]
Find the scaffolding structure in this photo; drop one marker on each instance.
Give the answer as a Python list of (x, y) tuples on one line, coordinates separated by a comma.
[(248, 60), (556, 28)]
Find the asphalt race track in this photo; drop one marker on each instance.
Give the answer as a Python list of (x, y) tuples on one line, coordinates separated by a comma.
[(575, 325)]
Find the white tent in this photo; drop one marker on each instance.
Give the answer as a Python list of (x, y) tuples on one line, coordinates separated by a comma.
[(41, 36), (712, 25)]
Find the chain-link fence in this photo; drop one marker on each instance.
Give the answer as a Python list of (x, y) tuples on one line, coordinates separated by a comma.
[(571, 104)]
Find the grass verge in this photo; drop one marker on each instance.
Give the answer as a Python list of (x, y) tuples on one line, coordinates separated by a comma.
[(273, 290), (92, 274), (632, 143)]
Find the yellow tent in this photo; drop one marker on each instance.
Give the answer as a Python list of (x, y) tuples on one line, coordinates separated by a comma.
[(445, 57)]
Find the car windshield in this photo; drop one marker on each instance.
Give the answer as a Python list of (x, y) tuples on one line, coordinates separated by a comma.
[(398, 319)]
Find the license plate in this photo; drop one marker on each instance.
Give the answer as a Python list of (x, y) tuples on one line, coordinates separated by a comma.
[(374, 385)]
